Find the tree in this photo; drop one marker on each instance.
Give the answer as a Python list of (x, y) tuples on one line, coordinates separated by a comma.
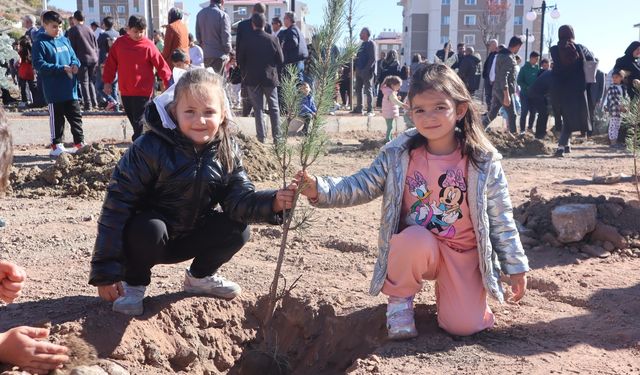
[(492, 21), (631, 117)]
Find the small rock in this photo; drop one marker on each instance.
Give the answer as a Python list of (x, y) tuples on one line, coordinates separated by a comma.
[(112, 368), (595, 251), (612, 210), (526, 240), (87, 218), (524, 230), (608, 179), (573, 221), (608, 246), (88, 370), (634, 243), (583, 284), (604, 232), (183, 358), (628, 252), (551, 240)]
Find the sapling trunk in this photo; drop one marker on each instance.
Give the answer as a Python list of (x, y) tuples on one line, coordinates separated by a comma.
[(325, 62)]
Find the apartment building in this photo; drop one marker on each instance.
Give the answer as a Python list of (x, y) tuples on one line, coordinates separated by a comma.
[(388, 40), (429, 24), (154, 11), (240, 10)]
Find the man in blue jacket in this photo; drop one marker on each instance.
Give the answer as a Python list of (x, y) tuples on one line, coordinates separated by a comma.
[(365, 69), (294, 45), (57, 65)]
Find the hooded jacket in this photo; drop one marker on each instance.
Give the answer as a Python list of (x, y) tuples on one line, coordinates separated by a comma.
[(631, 65), (49, 56), (498, 241), (162, 172)]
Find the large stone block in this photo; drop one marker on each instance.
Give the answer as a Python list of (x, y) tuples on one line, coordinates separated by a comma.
[(573, 221)]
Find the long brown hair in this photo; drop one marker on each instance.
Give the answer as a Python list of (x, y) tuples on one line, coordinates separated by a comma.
[(6, 152), (200, 83), (469, 130)]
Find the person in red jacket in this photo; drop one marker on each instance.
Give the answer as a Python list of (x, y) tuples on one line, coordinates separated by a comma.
[(175, 37), (134, 57)]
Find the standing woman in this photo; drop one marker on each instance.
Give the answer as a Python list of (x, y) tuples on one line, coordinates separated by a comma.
[(569, 88), (390, 67), (175, 37), (630, 63)]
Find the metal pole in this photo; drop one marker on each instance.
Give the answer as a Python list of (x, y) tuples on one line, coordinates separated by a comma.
[(544, 9), (44, 4), (526, 44)]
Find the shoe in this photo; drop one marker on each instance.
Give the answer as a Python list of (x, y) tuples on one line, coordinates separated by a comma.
[(332, 113), (131, 302), (78, 146), (400, 321), (567, 149), (110, 106), (57, 150), (370, 114), (523, 133), (559, 153), (214, 285)]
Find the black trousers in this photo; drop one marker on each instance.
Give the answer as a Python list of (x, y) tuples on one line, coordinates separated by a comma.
[(134, 109), (540, 107), (28, 90), (86, 77), (147, 243), (57, 113), (345, 92)]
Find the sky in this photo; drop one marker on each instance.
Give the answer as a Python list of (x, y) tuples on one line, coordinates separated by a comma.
[(604, 27)]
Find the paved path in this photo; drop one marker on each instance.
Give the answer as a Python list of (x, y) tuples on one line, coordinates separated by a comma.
[(35, 129)]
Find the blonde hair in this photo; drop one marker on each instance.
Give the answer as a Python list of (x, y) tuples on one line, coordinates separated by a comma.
[(200, 83), (6, 152), (469, 130)]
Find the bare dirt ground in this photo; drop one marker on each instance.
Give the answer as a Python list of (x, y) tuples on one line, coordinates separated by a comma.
[(581, 315)]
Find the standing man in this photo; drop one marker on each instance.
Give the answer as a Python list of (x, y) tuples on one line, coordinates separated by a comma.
[(83, 41), (294, 46), (29, 23), (213, 31), (459, 56), (486, 69), (505, 84), (276, 26), (261, 74), (528, 74), (468, 70), (97, 30), (379, 69), (105, 41), (365, 67)]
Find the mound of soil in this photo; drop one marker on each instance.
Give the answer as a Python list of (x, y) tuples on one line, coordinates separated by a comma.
[(518, 145), (535, 216), (199, 335), (86, 173)]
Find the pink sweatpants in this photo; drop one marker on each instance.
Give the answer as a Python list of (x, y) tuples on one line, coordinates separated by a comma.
[(416, 255)]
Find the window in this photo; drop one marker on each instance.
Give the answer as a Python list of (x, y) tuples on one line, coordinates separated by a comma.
[(470, 39), (122, 22), (106, 9), (445, 20), (471, 2), (446, 2), (493, 19), (120, 8), (136, 6), (470, 19), (444, 39), (517, 20), (277, 12), (384, 47), (519, 2)]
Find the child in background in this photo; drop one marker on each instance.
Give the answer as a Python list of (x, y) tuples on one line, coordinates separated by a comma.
[(390, 102), (159, 207), (134, 58), (180, 60), (195, 53), (57, 66), (25, 347), (615, 94), (447, 215), (234, 76), (25, 71), (308, 108)]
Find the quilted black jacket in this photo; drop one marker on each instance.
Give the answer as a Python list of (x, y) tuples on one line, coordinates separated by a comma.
[(163, 172)]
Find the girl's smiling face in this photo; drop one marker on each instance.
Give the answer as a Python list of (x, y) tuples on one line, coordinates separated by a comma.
[(199, 117), (435, 115)]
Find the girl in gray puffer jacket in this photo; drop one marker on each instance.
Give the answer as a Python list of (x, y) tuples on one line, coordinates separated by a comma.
[(446, 211)]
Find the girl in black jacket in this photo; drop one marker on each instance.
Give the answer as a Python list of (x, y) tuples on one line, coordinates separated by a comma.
[(160, 203)]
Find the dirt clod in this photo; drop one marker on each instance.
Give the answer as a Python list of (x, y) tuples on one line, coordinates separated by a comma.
[(518, 145)]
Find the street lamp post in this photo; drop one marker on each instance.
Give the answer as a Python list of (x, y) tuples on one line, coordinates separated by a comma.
[(533, 14), (528, 38)]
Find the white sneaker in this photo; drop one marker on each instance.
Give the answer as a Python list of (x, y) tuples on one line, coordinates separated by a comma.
[(57, 150), (78, 146), (131, 302), (214, 285)]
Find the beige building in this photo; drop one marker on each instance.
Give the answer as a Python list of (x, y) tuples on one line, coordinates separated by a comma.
[(388, 40), (154, 11), (429, 24)]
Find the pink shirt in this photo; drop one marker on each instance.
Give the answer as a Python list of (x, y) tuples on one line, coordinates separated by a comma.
[(390, 110), (435, 197)]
